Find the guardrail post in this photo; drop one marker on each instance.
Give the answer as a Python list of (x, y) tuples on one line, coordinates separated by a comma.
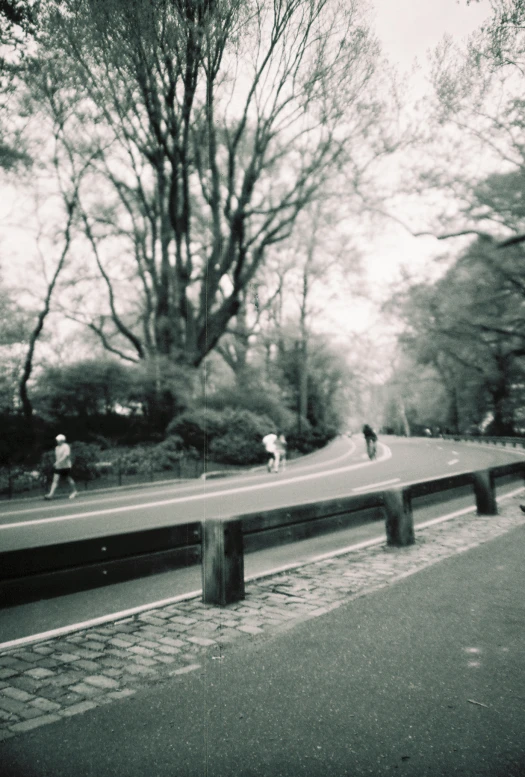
[(485, 492), (222, 561), (399, 519)]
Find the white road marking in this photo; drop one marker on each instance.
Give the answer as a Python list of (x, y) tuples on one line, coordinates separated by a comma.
[(371, 486), (195, 497), (122, 496), (452, 461)]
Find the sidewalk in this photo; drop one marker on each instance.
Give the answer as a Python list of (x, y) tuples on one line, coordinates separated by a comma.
[(47, 686)]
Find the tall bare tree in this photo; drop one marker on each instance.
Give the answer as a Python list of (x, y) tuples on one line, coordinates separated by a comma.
[(215, 122)]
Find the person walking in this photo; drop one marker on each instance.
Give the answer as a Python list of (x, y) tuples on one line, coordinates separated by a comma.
[(270, 443), (62, 468)]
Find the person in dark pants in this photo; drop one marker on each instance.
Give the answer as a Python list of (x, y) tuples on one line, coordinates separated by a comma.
[(62, 468), (371, 441)]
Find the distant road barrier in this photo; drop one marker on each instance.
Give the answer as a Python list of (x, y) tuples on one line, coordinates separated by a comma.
[(220, 544), (514, 442)]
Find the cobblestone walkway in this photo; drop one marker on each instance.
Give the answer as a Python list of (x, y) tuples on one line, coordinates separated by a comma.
[(47, 681)]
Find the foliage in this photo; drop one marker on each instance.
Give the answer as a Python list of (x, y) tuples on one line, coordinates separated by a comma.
[(84, 388), (198, 427), (193, 187), (256, 394), (310, 440), (237, 448), (469, 326)]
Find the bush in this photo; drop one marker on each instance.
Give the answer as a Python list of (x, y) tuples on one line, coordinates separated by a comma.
[(311, 439), (197, 428), (237, 449), (241, 442)]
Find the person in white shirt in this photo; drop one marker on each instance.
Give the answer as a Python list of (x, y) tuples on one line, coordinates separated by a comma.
[(62, 467), (270, 443)]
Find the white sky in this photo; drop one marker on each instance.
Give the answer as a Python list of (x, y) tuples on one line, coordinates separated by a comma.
[(408, 31)]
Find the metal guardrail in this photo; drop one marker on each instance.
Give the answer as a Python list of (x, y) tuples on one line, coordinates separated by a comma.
[(219, 544), (514, 441)]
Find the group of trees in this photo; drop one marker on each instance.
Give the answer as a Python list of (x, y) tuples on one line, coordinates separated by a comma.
[(464, 338), (194, 166), (180, 153)]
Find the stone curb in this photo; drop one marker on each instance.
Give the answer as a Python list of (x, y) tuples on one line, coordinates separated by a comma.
[(48, 681)]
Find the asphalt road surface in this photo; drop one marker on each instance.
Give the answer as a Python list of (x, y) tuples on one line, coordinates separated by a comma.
[(423, 677), (342, 469)]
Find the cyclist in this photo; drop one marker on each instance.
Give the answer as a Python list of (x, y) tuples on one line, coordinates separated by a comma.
[(371, 441)]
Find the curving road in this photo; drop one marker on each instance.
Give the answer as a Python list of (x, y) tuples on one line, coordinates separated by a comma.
[(341, 469)]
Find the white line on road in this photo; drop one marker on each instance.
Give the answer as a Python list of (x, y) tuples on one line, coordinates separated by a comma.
[(371, 486), (195, 497), (296, 463), (452, 461)]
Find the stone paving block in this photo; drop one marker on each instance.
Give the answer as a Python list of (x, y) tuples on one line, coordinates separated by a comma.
[(91, 644), (38, 673), (45, 705), (89, 666), (68, 699), (65, 658), (9, 662), (28, 657), (112, 672), (166, 659), (7, 673), (17, 693), (141, 651), (101, 681), (203, 641), (78, 709), (123, 694), (250, 629), (85, 690), (172, 642), (142, 661), (135, 669), (43, 650), (122, 643), (17, 708), (168, 650), (185, 669), (28, 725)]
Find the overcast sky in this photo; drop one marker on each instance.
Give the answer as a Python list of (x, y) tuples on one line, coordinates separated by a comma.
[(409, 28)]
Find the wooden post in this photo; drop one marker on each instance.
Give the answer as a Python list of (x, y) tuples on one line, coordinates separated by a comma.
[(222, 561), (399, 519), (485, 492)]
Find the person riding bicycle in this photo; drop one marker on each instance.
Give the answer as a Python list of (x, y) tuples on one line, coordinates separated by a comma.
[(371, 440)]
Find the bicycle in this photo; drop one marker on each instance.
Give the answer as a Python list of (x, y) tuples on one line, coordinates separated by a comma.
[(371, 448)]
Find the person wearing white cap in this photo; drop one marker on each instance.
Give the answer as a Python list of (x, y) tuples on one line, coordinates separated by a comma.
[(62, 467)]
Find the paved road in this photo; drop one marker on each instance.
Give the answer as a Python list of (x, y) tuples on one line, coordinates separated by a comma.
[(375, 663), (341, 470), (406, 460)]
